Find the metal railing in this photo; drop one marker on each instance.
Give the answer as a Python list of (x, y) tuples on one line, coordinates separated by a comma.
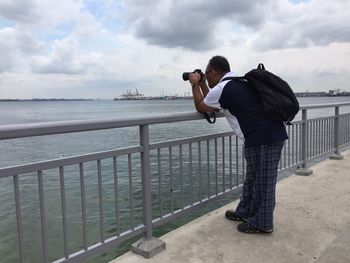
[(91, 202)]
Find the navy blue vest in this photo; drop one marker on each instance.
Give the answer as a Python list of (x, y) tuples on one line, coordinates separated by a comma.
[(244, 103)]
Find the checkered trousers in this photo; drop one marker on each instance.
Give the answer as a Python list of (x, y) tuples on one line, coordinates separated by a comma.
[(258, 195)]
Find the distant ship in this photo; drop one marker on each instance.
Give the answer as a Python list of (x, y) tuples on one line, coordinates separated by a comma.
[(129, 95)]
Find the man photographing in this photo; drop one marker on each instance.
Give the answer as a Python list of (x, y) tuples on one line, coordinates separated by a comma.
[(263, 140)]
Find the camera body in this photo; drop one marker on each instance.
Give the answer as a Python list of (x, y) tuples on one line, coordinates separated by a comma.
[(186, 75)]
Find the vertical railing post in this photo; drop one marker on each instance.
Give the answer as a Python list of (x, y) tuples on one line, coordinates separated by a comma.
[(336, 155), (149, 245), (304, 144), (146, 181), (19, 219)]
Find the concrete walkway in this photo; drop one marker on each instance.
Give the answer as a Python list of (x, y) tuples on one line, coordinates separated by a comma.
[(312, 224)]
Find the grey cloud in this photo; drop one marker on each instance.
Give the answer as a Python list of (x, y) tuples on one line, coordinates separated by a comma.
[(20, 10), (190, 24), (14, 46), (292, 36), (326, 33), (56, 67), (326, 71), (27, 44), (276, 24), (6, 52), (39, 15), (185, 34), (65, 58), (318, 23), (6, 62)]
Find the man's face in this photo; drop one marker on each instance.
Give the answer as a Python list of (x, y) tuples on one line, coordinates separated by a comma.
[(211, 76)]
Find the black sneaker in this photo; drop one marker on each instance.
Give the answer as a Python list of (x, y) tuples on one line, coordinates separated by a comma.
[(249, 229), (231, 215)]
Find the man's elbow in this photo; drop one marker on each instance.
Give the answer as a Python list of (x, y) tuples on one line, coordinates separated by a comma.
[(202, 107)]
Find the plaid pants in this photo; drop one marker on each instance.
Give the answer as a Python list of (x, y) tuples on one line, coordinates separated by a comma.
[(259, 188)]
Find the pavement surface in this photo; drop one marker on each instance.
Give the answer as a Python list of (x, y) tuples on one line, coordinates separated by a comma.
[(312, 224)]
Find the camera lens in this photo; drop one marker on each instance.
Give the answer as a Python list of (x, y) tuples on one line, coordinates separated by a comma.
[(185, 76)]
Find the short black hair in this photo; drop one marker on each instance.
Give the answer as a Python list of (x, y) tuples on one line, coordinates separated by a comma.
[(219, 63)]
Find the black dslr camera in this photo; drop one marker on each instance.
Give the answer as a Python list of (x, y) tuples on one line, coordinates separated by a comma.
[(185, 75)]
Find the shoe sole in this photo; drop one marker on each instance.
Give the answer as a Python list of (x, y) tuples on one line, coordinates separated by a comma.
[(253, 230)]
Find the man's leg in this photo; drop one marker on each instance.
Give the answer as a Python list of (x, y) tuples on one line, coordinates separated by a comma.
[(262, 201), (251, 155)]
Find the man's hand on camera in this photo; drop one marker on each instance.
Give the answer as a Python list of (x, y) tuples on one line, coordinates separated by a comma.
[(194, 79), (203, 82), (199, 91)]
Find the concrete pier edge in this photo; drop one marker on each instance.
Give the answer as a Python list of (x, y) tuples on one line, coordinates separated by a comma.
[(312, 224)]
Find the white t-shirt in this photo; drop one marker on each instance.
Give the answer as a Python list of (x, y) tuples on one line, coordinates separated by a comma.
[(212, 100)]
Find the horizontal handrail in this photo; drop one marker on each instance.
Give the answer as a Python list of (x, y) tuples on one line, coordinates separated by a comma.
[(58, 127), (49, 128), (29, 168), (189, 140), (324, 105)]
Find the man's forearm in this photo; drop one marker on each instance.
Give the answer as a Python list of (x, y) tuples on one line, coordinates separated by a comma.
[(205, 89), (197, 95), (200, 91)]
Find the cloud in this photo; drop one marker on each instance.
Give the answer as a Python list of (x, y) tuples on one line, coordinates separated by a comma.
[(190, 24), (61, 46), (30, 42), (65, 58), (20, 10), (15, 46), (40, 14), (87, 26), (6, 62), (277, 24), (6, 54), (315, 23)]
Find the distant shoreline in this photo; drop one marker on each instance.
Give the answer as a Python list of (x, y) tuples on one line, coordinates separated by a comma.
[(297, 94), (322, 94), (61, 99)]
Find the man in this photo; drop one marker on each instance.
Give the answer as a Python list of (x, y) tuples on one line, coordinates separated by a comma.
[(263, 141)]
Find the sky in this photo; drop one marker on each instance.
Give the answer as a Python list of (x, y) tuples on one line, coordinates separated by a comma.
[(102, 48)]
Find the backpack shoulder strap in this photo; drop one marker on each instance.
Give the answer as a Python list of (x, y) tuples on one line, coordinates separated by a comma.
[(213, 116), (233, 78)]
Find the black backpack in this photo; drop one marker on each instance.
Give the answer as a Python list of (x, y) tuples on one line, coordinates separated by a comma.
[(278, 99)]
